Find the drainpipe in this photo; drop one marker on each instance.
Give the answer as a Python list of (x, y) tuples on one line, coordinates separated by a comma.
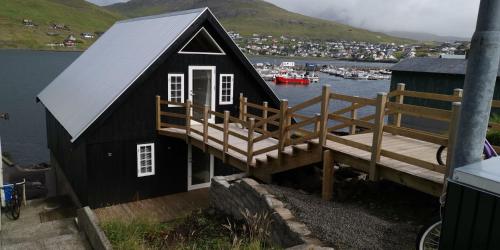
[(480, 78)]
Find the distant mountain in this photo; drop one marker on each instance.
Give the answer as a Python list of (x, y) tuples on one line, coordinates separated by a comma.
[(256, 16), (77, 15), (419, 36)]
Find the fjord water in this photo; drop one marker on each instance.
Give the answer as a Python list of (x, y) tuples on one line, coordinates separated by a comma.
[(23, 74)]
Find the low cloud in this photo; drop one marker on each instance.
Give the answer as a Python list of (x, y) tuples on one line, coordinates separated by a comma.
[(441, 17)]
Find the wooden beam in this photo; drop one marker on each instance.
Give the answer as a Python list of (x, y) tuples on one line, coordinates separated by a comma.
[(325, 101), (328, 175), (264, 115), (400, 100), (226, 136), (158, 112), (206, 108), (377, 135), (282, 127), (354, 116), (241, 107), (251, 127)]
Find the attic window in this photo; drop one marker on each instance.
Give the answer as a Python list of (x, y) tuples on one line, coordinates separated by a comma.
[(202, 43)]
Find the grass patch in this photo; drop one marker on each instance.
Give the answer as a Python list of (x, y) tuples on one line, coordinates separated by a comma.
[(198, 230)]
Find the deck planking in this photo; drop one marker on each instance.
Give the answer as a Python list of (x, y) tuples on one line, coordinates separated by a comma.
[(403, 145)]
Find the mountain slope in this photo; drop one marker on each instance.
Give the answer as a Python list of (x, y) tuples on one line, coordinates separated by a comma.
[(79, 15), (256, 16)]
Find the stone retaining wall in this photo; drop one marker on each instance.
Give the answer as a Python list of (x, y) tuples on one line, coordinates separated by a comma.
[(232, 195)]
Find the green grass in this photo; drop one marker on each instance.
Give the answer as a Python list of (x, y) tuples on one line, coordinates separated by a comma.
[(256, 16), (79, 15), (196, 231)]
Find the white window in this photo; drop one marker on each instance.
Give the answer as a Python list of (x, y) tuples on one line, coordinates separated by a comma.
[(175, 88), (202, 43), (226, 88), (145, 159)]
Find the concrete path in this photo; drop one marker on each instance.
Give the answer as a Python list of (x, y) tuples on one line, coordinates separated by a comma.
[(29, 232)]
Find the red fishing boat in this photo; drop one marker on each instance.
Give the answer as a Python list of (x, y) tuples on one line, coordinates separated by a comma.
[(292, 79)]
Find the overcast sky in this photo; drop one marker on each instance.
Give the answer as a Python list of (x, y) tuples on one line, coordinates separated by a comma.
[(441, 17)]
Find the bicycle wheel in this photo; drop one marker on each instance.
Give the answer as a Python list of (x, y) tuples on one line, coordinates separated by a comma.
[(15, 210), (429, 235), (439, 156)]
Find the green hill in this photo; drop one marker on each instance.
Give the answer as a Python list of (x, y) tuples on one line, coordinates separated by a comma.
[(256, 16), (78, 15)]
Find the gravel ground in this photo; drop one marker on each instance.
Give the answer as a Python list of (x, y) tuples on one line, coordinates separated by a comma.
[(373, 216)]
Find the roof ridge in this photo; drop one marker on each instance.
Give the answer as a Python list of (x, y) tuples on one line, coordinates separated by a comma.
[(169, 14)]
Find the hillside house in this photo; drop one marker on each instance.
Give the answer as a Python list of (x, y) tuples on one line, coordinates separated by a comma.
[(100, 111)]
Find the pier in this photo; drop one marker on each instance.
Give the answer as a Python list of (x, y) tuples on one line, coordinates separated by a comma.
[(263, 141)]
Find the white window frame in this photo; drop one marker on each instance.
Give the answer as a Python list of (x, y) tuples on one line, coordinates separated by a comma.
[(170, 88), (152, 145), (202, 53), (231, 89)]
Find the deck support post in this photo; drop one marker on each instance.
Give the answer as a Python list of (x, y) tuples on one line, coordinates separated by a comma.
[(251, 127), (282, 127), (354, 116), (206, 108), (328, 175), (399, 100), (188, 119), (325, 102), (158, 112), (377, 135), (264, 115), (226, 136)]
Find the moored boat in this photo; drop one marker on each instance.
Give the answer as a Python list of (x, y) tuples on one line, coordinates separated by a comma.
[(292, 80)]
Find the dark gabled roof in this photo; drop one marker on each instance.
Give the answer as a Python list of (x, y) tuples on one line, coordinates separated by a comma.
[(106, 70), (433, 65)]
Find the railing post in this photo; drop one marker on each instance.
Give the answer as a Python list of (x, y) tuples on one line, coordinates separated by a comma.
[(452, 130), (206, 108), (458, 93), (317, 124), (377, 135), (264, 115), (188, 118), (251, 127), (282, 128), (325, 102), (225, 147), (241, 107), (245, 108), (354, 116), (158, 112), (400, 100)]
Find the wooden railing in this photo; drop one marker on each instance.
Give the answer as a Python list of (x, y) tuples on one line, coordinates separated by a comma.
[(263, 123)]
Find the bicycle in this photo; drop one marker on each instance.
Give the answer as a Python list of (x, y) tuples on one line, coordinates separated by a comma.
[(13, 199), (429, 235)]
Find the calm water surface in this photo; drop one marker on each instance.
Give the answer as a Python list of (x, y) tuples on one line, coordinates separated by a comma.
[(23, 74)]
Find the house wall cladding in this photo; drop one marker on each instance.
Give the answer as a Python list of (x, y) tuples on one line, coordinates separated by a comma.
[(111, 146), (232, 195)]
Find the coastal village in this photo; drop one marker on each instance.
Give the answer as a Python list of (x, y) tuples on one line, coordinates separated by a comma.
[(167, 131)]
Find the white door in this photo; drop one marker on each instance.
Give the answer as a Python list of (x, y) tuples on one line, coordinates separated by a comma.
[(202, 89), (200, 168)]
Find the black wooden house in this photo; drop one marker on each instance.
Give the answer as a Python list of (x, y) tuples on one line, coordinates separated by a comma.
[(100, 111)]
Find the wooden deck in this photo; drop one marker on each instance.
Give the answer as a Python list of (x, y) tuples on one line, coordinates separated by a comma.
[(265, 142), (429, 181), (161, 209)]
